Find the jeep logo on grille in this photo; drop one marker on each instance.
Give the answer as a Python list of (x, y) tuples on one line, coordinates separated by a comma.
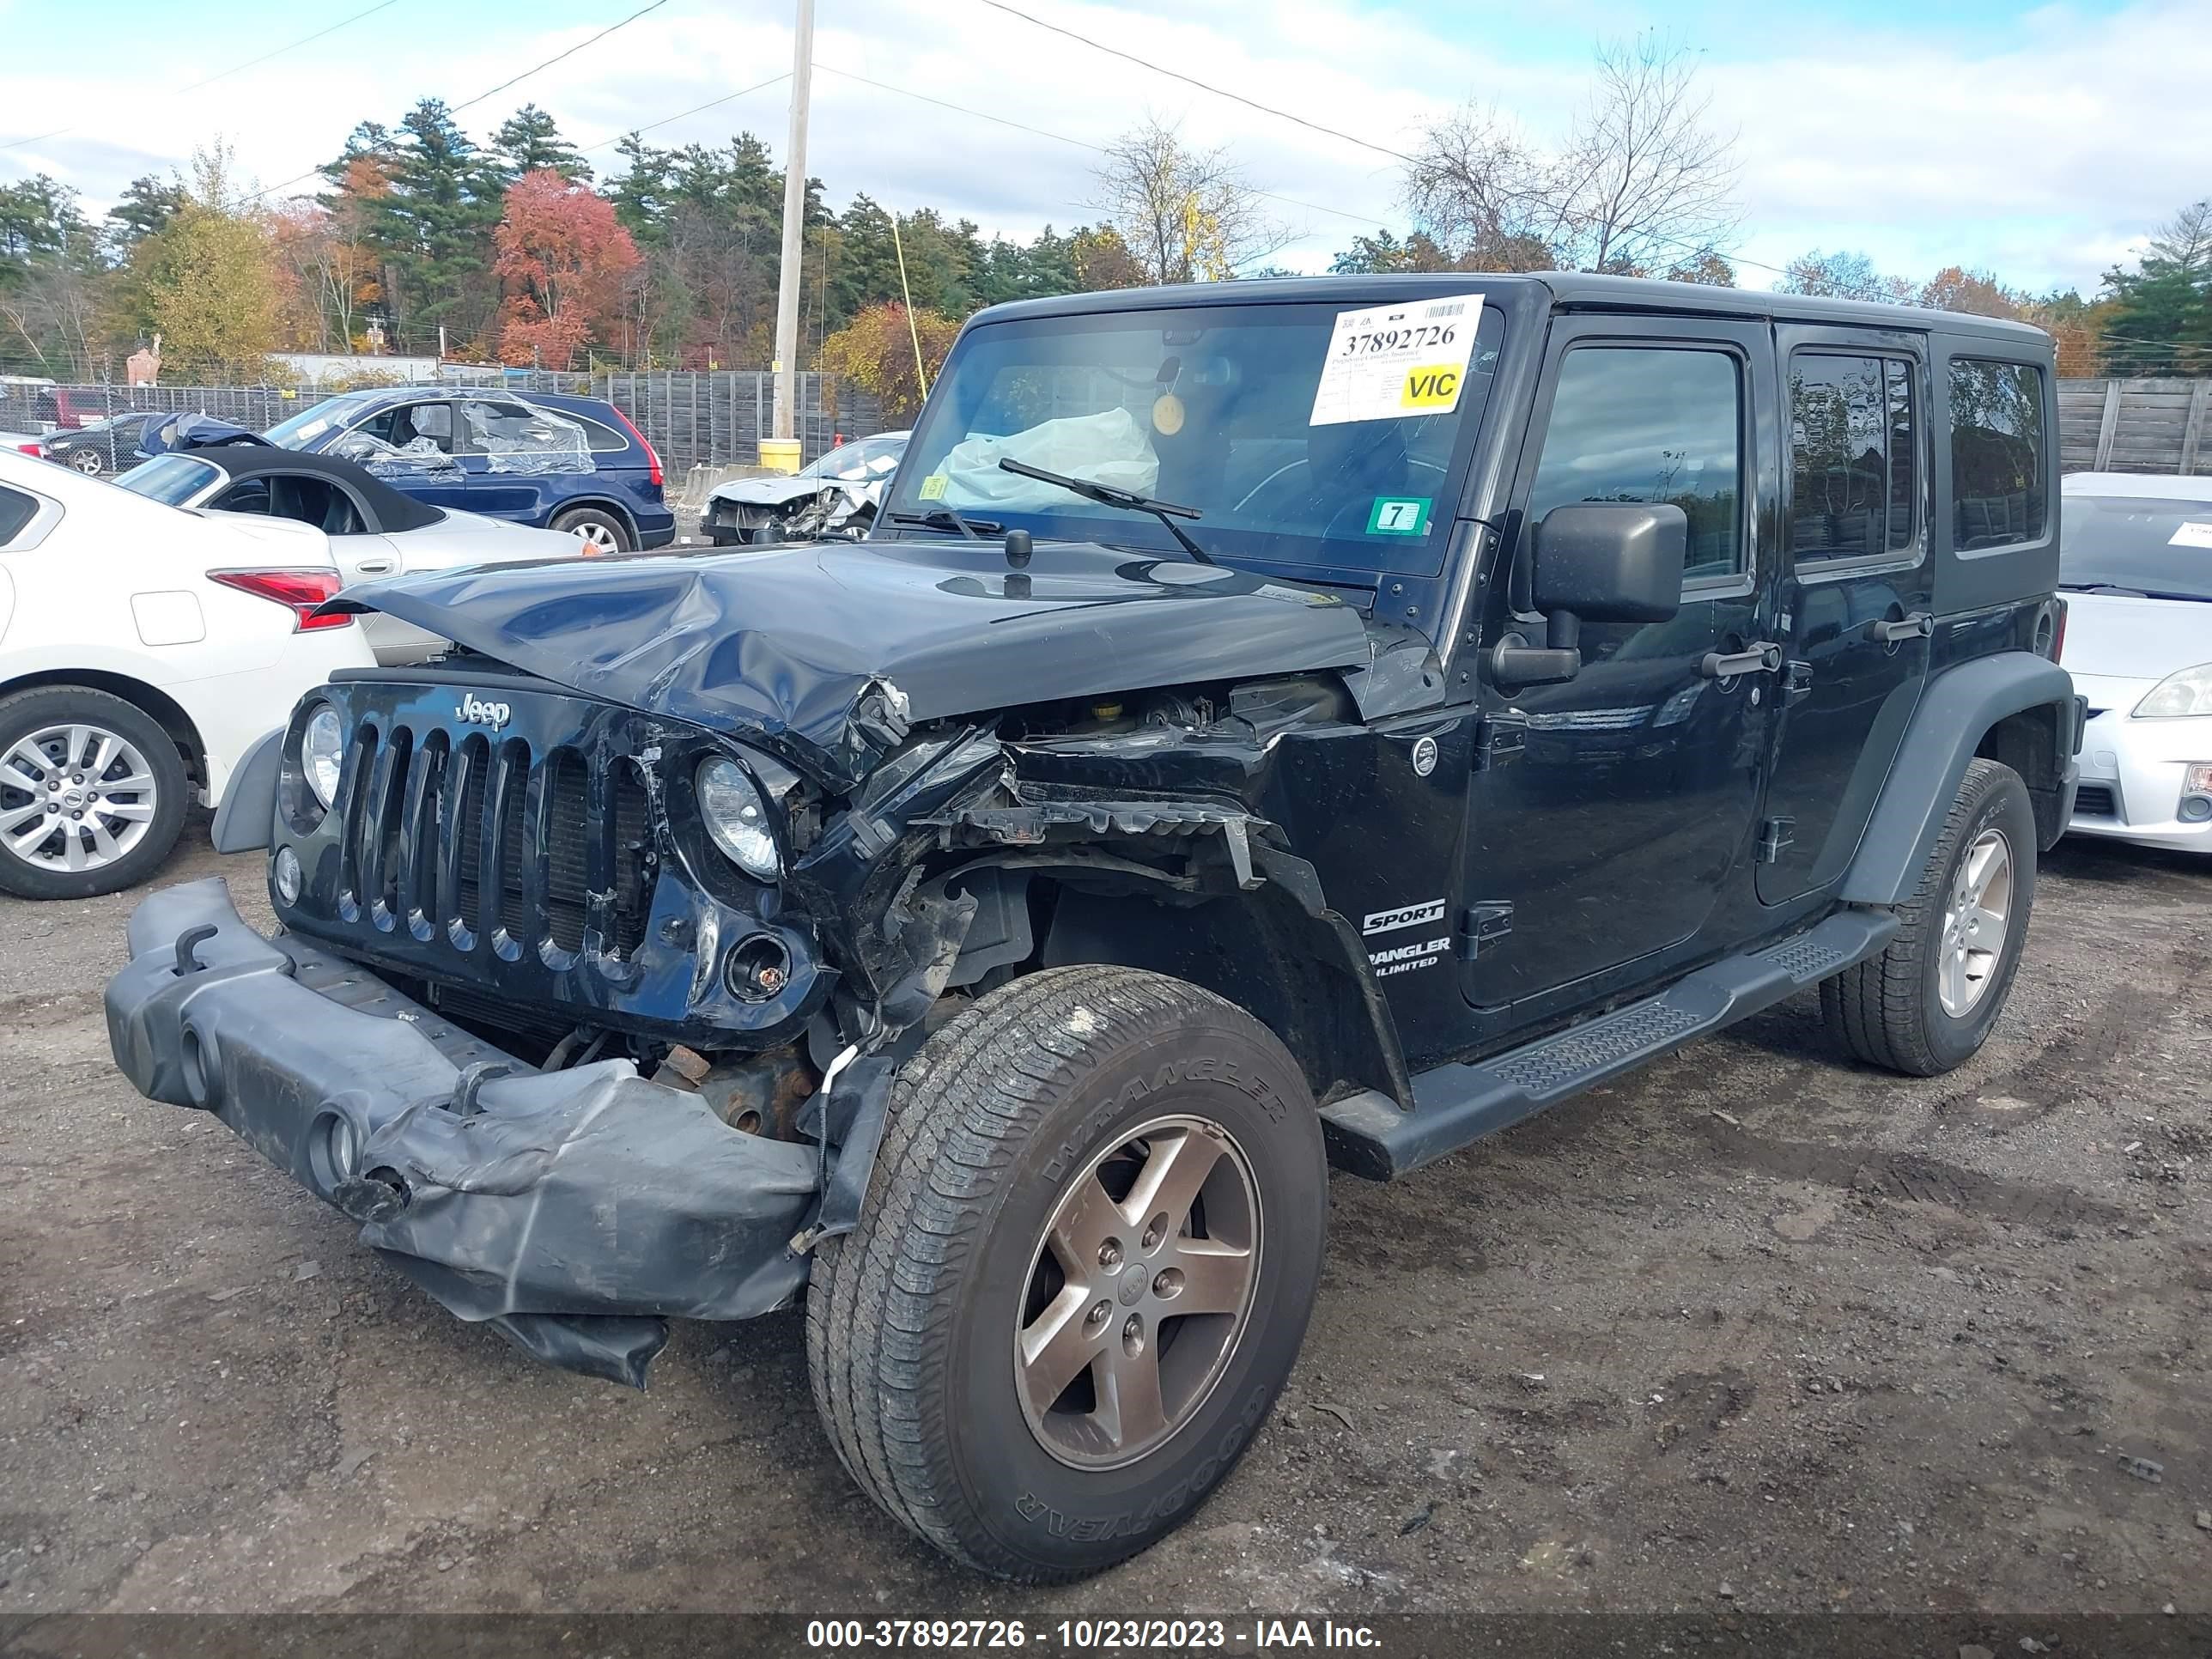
[(470, 712)]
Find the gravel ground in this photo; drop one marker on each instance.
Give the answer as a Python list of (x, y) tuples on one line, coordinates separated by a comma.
[(1754, 1326)]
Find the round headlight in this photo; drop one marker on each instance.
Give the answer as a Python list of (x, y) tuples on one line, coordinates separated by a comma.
[(322, 753), (736, 818)]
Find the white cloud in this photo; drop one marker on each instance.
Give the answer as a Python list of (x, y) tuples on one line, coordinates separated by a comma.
[(2041, 150)]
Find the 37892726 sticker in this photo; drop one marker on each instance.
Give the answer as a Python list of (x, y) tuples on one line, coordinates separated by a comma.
[(1390, 362)]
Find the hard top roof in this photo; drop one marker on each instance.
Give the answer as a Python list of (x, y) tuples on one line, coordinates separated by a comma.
[(1571, 289)]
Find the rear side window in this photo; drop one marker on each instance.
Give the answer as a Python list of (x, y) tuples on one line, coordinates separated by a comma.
[(1854, 480), (16, 510), (605, 440), (1997, 449), (1651, 423)]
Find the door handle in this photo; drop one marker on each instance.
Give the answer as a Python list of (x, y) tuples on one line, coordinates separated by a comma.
[(375, 567), (1918, 626), (1760, 656)]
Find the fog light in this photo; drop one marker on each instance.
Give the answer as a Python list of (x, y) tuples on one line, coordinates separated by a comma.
[(2195, 808), (288, 875), (757, 968)]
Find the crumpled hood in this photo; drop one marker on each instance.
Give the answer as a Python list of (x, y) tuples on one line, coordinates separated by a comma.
[(823, 651)]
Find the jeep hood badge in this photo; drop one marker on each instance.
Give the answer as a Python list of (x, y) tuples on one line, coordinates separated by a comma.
[(795, 643)]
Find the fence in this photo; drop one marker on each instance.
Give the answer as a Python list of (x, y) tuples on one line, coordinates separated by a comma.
[(694, 418), (2135, 426)]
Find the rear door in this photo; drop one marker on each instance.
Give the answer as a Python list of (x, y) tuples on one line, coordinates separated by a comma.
[(1621, 812), (1855, 617)]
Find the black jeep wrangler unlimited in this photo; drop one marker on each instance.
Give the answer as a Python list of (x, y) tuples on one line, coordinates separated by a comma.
[(1273, 724)]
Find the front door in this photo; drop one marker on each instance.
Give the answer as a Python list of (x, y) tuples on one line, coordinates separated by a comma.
[(1856, 599), (1615, 810)]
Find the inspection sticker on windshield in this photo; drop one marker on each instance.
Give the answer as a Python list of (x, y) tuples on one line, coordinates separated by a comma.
[(1399, 515), (932, 487), (2191, 534), (1387, 363)]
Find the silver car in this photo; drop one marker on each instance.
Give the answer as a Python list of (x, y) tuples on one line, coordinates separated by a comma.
[(2136, 566)]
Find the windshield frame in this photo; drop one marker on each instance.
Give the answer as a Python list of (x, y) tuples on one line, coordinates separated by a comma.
[(1109, 526), (2150, 521)]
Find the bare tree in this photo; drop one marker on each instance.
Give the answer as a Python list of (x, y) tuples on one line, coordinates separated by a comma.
[(1845, 275), (1644, 178), (1643, 182), (1484, 195), (1187, 215)]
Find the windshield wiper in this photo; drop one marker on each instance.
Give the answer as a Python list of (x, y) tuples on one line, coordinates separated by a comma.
[(1106, 496), (944, 517)]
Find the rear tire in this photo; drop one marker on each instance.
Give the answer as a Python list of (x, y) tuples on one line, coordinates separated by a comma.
[(600, 530), (939, 1329), (121, 816), (88, 461), (1926, 1004)]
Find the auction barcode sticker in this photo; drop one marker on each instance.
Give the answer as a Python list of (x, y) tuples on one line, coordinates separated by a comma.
[(1386, 362), (2191, 534)]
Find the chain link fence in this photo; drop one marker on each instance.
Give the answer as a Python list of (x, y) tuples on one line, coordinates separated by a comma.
[(694, 418)]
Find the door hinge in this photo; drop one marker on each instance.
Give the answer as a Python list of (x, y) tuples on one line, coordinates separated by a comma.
[(1796, 680), (1498, 738), (1773, 836), (1481, 924)]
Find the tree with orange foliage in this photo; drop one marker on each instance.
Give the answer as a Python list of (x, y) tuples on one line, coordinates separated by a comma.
[(561, 260), (875, 351)]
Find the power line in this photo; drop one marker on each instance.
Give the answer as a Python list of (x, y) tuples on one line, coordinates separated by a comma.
[(305, 39), (632, 132), (516, 80)]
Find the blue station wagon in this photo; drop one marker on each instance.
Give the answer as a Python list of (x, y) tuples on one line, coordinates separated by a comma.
[(540, 458)]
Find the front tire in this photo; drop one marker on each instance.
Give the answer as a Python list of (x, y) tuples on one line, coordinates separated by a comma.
[(1082, 1138), (92, 794), (1926, 1005)]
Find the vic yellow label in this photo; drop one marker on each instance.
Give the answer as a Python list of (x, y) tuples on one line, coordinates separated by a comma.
[(1433, 388), (932, 487)]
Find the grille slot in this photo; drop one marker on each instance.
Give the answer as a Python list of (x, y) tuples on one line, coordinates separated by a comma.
[(455, 836), (2095, 800)]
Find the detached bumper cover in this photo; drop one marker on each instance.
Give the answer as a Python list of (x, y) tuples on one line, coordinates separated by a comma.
[(574, 1211)]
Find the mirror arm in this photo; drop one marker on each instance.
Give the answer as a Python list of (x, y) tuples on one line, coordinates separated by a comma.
[(1562, 630), (1515, 662)]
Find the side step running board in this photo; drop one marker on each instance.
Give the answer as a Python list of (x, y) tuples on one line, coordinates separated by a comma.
[(1454, 1104)]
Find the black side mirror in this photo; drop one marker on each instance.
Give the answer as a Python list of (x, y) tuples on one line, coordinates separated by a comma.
[(1597, 561)]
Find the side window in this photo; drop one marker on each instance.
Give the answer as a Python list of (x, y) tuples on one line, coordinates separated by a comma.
[(16, 510), (1651, 423), (402, 426), (1996, 454), (1853, 474), (251, 496)]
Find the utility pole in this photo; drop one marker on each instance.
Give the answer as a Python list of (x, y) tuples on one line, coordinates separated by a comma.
[(787, 288)]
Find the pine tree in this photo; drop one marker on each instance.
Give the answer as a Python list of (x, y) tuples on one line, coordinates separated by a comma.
[(530, 142)]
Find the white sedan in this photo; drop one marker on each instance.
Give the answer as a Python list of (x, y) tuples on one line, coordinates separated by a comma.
[(374, 530), (142, 653), (2134, 562)]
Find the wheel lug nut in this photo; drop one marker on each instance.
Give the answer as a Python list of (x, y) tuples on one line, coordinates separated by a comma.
[(1099, 1313), (1109, 1253)]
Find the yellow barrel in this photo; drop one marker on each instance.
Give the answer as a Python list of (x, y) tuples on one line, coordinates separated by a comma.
[(780, 454)]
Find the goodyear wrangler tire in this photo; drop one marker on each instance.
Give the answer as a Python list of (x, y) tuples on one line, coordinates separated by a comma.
[(1087, 1261)]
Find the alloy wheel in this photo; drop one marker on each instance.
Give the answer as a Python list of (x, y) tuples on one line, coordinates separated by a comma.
[(1139, 1292), (1975, 923), (598, 539), (87, 462), (74, 797)]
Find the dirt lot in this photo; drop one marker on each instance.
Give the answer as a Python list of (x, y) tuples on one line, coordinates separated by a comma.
[(1754, 1325)]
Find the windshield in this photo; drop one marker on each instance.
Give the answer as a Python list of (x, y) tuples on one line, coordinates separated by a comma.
[(174, 479), (1305, 436), (312, 423), (864, 459), (2140, 542)]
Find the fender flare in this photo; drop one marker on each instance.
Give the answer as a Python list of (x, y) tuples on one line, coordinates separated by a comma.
[(599, 503), (1956, 713)]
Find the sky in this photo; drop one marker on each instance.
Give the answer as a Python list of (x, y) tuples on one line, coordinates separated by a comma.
[(2041, 143)]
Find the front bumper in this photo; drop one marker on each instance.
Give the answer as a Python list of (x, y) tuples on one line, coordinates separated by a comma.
[(575, 1211), (2132, 777)]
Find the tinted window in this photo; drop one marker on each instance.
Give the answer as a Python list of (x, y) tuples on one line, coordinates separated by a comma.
[(1996, 453), (2137, 543), (16, 510), (1852, 476), (1645, 423)]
